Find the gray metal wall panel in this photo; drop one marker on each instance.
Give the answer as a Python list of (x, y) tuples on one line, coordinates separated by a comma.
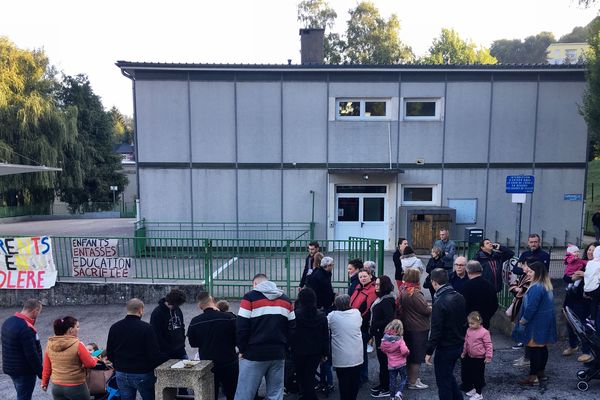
[(502, 212), (213, 121), (297, 200), (362, 141), (259, 122), (467, 121), (421, 139), (466, 184), (214, 195), (424, 89), (165, 194), (562, 132), (362, 89), (162, 121), (550, 211), (304, 122), (513, 122), (259, 193)]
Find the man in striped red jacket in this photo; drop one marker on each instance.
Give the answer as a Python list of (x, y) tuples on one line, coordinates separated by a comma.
[(263, 326)]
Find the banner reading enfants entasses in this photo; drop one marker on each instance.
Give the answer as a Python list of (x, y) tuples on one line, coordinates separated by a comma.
[(26, 263)]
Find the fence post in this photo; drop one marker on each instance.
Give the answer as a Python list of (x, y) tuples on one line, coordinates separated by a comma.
[(312, 231), (287, 267), (207, 266), (380, 257)]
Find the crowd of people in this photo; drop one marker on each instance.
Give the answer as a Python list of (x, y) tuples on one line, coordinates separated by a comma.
[(300, 343)]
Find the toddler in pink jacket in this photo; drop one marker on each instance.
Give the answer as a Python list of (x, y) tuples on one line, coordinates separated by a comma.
[(394, 347), (476, 353)]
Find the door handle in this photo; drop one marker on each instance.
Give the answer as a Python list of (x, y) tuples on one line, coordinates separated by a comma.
[(362, 224)]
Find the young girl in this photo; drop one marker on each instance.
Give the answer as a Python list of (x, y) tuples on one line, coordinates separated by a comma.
[(573, 261), (394, 347), (476, 353)]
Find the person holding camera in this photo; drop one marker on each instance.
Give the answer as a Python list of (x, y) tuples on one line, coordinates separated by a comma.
[(491, 256)]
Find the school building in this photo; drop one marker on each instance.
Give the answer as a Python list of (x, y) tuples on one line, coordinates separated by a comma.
[(377, 151)]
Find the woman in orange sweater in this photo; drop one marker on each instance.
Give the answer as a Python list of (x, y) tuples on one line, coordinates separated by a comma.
[(65, 361)]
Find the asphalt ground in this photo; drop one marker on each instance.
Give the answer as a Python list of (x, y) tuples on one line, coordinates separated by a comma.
[(111, 227), (501, 376)]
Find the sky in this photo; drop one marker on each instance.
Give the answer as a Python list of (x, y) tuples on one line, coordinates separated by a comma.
[(89, 36)]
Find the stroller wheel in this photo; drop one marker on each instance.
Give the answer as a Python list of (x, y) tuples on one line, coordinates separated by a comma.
[(583, 386), (582, 374)]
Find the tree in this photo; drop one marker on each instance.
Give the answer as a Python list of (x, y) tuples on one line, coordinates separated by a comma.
[(33, 129), (370, 39), (532, 50), (449, 48), (122, 127), (98, 164), (591, 99)]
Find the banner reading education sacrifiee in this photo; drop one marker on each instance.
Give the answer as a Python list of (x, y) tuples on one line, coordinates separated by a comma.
[(27, 263), (98, 258)]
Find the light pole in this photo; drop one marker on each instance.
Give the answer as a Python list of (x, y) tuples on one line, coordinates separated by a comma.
[(114, 189)]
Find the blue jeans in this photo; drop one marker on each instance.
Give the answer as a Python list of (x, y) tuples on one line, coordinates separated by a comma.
[(251, 374), (130, 383), (398, 379), (24, 385), (443, 366)]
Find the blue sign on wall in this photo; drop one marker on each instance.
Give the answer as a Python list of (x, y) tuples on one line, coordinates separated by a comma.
[(573, 197), (519, 183)]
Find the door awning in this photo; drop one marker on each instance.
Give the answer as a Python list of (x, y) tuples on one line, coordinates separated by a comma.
[(13, 169)]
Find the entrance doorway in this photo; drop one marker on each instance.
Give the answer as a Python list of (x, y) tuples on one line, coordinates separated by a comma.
[(425, 229), (361, 211)]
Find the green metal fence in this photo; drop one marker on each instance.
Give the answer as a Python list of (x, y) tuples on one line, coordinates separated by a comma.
[(125, 209), (224, 266), (20, 211), (229, 230)]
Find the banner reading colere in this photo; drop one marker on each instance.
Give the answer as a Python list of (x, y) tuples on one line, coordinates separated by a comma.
[(98, 258), (26, 263)]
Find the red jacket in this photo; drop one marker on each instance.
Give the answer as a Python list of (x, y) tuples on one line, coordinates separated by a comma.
[(362, 299)]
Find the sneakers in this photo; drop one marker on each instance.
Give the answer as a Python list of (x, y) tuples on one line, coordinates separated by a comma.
[(417, 385), (570, 351), (398, 396), (584, 358), (380, 393), (521, 362), (477, 396), (518, 346), (471, 392), (375, 389), (529, 381)]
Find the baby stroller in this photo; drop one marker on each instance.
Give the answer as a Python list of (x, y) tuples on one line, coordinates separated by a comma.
[(586, 333)]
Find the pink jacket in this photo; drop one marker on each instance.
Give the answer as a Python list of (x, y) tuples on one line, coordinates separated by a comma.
[(395, 349), (478, 343), (573, 264)]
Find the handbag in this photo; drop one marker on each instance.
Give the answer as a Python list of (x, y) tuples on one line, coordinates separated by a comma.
[(96, 380), (509, 310)]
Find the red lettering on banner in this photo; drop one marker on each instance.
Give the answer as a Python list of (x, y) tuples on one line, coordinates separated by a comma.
[(35, 241), (4, 277), (30, 280), (20, 279), (40, 278)]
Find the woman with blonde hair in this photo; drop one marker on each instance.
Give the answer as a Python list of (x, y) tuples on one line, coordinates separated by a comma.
[(414, 312), (537, 323)]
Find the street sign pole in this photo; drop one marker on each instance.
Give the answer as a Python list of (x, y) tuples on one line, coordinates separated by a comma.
[(519, 186), (518, 229)]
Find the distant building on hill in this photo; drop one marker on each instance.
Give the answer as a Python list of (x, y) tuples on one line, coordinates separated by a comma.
[(567, 53)]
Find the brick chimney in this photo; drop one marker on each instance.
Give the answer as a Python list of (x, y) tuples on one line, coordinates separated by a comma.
[(312, 50)]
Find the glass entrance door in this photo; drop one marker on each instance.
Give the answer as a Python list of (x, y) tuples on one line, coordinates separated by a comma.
[(361, 211)]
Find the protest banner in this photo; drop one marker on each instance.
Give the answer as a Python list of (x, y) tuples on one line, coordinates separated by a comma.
[(98, 258), (27, 263)]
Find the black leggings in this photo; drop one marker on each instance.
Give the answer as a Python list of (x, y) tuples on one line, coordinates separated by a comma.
[(539, 358), (384, 373)]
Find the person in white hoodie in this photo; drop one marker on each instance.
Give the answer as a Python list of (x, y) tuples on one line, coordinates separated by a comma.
[(410, 260), (346, 346), (591, 279)]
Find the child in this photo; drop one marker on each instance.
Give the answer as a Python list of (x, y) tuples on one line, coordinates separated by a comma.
[(394, 347), (476, 353), (573, 263), (223, 306)]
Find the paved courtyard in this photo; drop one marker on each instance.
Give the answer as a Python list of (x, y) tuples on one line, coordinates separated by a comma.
[(501, 375), (71, 227)]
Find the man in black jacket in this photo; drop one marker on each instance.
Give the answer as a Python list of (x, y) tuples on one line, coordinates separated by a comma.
[(21, 349), (479, 294), (446, 337), (213, 334), (133, 349), (167, 321), (320, 282), (313, 248)]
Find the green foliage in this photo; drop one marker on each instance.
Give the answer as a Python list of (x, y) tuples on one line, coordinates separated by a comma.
[(532, 50), (122, 127), (369, 38), (450, 48), (591, 99), (98, 164)]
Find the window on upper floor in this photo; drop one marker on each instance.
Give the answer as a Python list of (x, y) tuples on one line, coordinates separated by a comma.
[(420, 195), (422, 109), (363, 109)]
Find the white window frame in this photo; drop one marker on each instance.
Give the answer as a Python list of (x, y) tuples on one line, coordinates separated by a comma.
[(362, 101), (439, 108), (435, 195)]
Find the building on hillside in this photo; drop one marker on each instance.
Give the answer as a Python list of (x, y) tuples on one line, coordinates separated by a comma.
[(386, 150), (567, 53)]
